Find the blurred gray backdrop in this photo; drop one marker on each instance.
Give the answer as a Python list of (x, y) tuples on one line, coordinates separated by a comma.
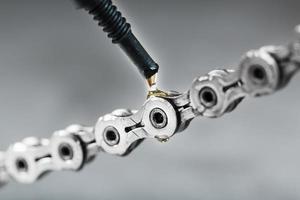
[(58, 68)]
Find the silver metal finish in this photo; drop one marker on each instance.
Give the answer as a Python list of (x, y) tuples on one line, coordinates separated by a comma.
[(158, 118), (116, 134), (28, 160), (216, 93), (295, 47), (3, 173), (261, 72), (72, 147), (167, 128)]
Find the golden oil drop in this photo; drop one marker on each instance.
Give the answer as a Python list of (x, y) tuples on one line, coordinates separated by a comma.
[(153, 90)]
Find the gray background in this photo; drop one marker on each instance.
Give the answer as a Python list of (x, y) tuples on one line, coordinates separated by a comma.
[(58, 68)]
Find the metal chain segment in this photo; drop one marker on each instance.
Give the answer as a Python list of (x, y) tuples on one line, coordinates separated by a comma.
[(3, 172), (73, 147), (68, 149), (261, 72), (216, 93), (28, 160)]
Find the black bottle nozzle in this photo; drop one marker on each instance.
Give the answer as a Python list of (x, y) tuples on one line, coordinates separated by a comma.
[(120, 32)]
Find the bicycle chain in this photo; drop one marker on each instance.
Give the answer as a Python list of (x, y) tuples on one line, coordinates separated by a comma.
[(261, 72)]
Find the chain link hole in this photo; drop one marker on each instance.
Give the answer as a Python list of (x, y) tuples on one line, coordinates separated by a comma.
[(65, 152), (111, 136), (22, 165), (208, 97), (258, 74), (158, 118)]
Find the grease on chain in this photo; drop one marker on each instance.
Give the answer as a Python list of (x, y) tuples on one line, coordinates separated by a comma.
[(153, 90)]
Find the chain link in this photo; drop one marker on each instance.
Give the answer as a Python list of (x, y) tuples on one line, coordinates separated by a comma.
[(261, 72), (3, 172)]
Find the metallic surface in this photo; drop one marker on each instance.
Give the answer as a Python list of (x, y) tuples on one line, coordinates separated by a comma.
[(261, 72), (71, 148), (51, 78)]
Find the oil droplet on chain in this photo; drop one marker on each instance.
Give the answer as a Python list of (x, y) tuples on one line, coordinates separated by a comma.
[(152, 81), (162, 139), (153, 90)]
